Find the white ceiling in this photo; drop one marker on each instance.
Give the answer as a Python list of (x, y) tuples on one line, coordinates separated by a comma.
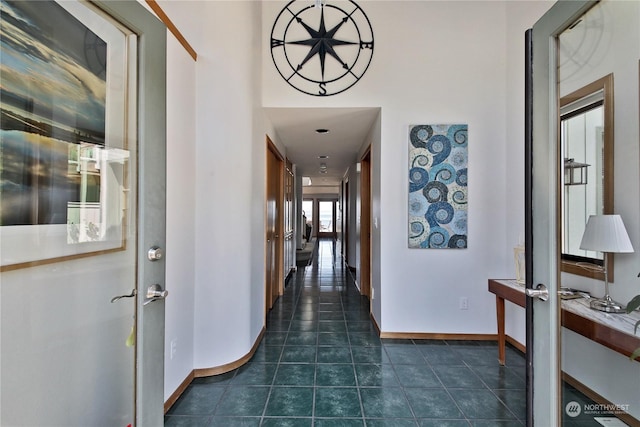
[(296, 130)]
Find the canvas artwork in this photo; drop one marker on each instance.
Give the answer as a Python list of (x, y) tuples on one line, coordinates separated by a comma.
[(53, 112), (438, 195), (56, 167)]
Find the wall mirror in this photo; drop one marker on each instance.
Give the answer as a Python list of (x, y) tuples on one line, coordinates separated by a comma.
[(586, 141)]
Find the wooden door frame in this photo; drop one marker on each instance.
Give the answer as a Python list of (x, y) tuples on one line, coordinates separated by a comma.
[(365, 223), (288, 219), (279, 252)]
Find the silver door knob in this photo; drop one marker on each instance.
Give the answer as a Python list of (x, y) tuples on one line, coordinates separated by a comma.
[(541, 292), (154, 293)]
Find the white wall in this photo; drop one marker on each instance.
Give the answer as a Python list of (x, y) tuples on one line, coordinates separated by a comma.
[(181, 203), (252, 14), (231, 160), (374, 138), (457, 81), (228, 183), (321, 190), (353, 178)]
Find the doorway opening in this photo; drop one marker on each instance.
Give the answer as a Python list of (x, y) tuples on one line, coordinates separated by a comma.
[(327, 219)]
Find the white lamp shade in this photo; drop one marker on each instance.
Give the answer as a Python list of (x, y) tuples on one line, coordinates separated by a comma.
[(605, 233)]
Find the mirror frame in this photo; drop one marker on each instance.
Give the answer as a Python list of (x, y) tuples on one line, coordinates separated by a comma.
[(606, 85)]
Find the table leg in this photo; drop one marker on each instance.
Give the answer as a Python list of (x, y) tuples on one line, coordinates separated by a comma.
[(501, 334)]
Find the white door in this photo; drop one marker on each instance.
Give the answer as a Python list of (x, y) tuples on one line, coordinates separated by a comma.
[(545, 396), (82, 200)]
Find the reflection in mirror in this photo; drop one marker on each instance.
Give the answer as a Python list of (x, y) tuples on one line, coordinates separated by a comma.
[(586, 134)]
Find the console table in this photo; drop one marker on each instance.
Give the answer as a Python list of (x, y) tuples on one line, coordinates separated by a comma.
[(614, 331)]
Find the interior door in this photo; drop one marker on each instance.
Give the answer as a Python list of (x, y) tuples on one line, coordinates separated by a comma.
[(274, 246), (84, 141), (543, 325)]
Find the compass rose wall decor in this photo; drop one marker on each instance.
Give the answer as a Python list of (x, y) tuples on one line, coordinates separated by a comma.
[(438, 157), (324, 50)]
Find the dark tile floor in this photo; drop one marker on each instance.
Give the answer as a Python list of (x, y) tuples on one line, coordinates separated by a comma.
[(321, 363)]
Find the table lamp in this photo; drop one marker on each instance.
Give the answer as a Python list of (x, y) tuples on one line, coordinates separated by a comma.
[(606, 234)]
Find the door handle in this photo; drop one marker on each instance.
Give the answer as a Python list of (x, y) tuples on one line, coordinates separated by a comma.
[(541, 292), (154, 293), (131, 295)]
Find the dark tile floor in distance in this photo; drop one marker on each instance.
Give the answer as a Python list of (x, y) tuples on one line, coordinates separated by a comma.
[(321, 363)]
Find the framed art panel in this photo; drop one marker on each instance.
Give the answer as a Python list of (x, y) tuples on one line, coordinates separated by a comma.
[(438, 186), (64, 106)]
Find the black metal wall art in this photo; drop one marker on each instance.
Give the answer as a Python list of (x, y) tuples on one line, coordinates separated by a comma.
[(322, 48)]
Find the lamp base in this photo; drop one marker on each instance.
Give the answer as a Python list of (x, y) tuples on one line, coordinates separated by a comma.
[(607, 305)]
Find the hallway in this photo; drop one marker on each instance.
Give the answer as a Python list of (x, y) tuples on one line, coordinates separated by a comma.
[(321, 363)]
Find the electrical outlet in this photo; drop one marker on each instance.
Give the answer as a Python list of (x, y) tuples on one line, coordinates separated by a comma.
[(173, 348), (464, 303)]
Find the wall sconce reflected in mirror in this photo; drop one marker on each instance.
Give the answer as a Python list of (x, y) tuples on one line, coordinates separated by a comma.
[(575, 173)]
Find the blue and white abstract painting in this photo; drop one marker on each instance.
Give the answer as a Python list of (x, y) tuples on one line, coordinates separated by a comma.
[(438, 157)]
